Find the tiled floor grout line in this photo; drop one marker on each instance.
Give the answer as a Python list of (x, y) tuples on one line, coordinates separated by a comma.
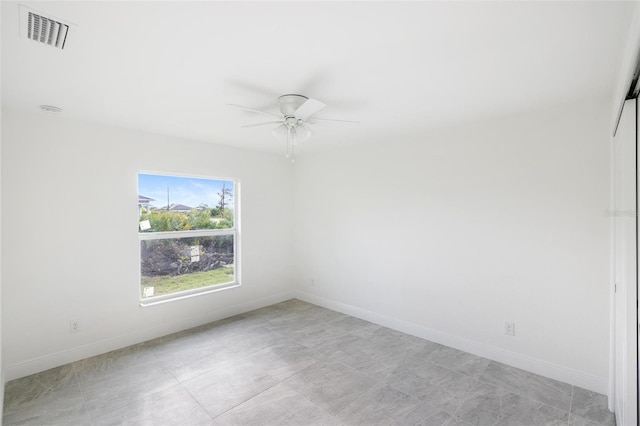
[(464, 399), (196, 401), (384, 380), (571, 404), (360, 397), (133, 401), (235, 406), (240, 359), (84, 399), (328, 358), (511, 390), (334, 416)]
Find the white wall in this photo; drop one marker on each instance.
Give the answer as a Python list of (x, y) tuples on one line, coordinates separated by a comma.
[(70, 245), (450, 233)]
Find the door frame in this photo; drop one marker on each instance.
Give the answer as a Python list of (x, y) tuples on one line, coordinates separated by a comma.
[(623, 390)]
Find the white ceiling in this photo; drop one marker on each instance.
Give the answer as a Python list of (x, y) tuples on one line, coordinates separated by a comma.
[(398, 68)]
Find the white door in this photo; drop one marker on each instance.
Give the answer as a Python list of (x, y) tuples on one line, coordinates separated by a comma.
[(625, 265)]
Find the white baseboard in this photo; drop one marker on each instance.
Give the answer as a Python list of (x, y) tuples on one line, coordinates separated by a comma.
[(533, 365), (36, 365)]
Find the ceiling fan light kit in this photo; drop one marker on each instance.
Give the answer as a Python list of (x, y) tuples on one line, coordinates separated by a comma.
[(296, 111)]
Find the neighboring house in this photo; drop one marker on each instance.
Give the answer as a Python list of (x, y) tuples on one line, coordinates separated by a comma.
[(178, 208), (143, 203)]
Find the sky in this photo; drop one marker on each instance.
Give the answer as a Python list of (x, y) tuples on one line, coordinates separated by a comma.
[(182, 190)]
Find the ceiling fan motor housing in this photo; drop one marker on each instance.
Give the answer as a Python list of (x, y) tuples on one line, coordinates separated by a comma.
[(290, 103), (291, 122)]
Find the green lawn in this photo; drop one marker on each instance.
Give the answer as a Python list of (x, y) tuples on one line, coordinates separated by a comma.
[(173, 284)]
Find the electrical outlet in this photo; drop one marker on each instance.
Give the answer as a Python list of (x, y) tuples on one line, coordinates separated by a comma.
[(510, 328), (74, 326)]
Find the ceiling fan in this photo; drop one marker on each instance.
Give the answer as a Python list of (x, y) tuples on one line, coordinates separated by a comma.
[(296, 113)]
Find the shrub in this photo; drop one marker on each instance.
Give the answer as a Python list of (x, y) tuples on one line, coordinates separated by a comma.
[(163, 221)]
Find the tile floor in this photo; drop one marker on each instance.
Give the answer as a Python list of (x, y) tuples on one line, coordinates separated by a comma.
[(295, 364)]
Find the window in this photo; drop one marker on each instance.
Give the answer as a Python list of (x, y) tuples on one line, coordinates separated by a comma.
[(188, 230)]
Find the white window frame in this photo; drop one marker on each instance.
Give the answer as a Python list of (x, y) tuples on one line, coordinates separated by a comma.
[(235, 231)]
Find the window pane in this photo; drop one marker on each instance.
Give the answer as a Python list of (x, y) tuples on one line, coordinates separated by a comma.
[(179, 264), (175, 203)]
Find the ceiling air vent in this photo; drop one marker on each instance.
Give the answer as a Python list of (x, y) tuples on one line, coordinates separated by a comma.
[(43, 29)]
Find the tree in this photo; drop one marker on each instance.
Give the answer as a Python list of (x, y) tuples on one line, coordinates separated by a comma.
[(225, 194)]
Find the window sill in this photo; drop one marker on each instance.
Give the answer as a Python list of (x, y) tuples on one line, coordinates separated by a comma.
[(159, 300)]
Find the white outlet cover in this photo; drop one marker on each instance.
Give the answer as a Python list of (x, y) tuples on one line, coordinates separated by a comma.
[(510, 328)]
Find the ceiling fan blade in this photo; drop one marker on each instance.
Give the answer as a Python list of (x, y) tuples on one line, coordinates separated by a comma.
[(255, 110), (262, 124), (307, 109), (333, 119)]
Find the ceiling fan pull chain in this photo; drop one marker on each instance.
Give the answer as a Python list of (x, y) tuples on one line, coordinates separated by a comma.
[(288, 155), (293, 145)]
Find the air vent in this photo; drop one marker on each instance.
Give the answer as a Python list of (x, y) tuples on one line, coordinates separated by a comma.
[(47, 30), (43, 29)]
